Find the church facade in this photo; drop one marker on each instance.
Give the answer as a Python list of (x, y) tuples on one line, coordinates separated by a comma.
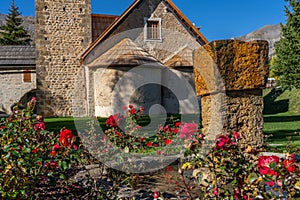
[(91, 65)]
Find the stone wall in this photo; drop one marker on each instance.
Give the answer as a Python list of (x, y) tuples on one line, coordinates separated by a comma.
[(13, 88), (229, 77), (63, 31)]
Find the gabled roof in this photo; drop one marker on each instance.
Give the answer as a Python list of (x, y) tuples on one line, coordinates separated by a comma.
[(119, 20), (183, 58), (124, 53), (17, 55)]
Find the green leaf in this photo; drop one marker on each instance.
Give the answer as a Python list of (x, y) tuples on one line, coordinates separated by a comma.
[(252, 178), (126, 149), (272, 165)]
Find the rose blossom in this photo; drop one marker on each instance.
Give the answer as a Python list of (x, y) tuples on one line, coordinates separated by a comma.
[(187, 129), (236, 135), (168, 141), (66, 138), (114, 120), (289, 163), (222, 141), (52, 164), (264, 163), (156, 195), (39, 126)]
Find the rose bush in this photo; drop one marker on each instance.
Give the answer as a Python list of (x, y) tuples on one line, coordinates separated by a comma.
[(229, 171), (31, 154), (124, 131)]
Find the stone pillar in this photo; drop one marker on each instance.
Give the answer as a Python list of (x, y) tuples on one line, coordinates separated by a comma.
[(229, 77), (63, 32)]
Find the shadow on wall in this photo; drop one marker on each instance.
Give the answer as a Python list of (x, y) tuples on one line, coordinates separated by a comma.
[(271, 106), (21, 103), (27, 97)]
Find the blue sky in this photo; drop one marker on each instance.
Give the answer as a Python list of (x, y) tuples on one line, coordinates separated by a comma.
[(218, 19)]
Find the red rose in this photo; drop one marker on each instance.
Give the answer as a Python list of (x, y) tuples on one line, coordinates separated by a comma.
[(142, 108), (175, 131), (168, 141), (270, 183), (130, 106), (118, 133), (66, 138), (114, 120), (222, 141), (52, 164), (142, 139), (289, 163), (132, 111), (149, 144), (177, 124), (265, 165), (236, 135), (35, 150), (53, 153)]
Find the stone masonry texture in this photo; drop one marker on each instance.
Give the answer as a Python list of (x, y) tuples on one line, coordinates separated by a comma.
[(229, 77), (62, 33)]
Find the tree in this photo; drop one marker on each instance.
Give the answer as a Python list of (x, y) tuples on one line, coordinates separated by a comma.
[(287, 62), (12, 33)]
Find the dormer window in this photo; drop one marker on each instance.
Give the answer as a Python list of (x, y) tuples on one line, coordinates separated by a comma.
[(152, 30)]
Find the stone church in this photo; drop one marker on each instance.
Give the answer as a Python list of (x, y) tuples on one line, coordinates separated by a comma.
[(91, 64)]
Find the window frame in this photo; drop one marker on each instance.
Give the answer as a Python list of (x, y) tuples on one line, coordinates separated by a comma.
[(158, 20)]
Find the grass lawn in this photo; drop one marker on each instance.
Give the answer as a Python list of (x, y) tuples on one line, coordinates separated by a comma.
[(282, 127), (281, 118)]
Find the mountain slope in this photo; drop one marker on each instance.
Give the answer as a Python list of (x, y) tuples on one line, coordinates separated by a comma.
[(271, 33)]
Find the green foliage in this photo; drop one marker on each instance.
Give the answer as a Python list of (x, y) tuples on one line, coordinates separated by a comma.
[(12, 33), (287, 63)]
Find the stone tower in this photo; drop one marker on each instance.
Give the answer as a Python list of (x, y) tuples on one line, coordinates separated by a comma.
[(63, 31)]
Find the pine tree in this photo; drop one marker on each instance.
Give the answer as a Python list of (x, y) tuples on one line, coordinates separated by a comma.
[(287, 63), (12, 33)]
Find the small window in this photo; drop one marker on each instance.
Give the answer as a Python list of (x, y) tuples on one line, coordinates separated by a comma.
[(27, 76), (153, 29)]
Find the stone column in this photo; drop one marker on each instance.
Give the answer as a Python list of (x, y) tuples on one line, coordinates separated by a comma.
[(229, 77)]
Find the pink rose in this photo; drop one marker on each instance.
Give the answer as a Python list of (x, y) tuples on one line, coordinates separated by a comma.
[(39, 126), (187, 129)]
